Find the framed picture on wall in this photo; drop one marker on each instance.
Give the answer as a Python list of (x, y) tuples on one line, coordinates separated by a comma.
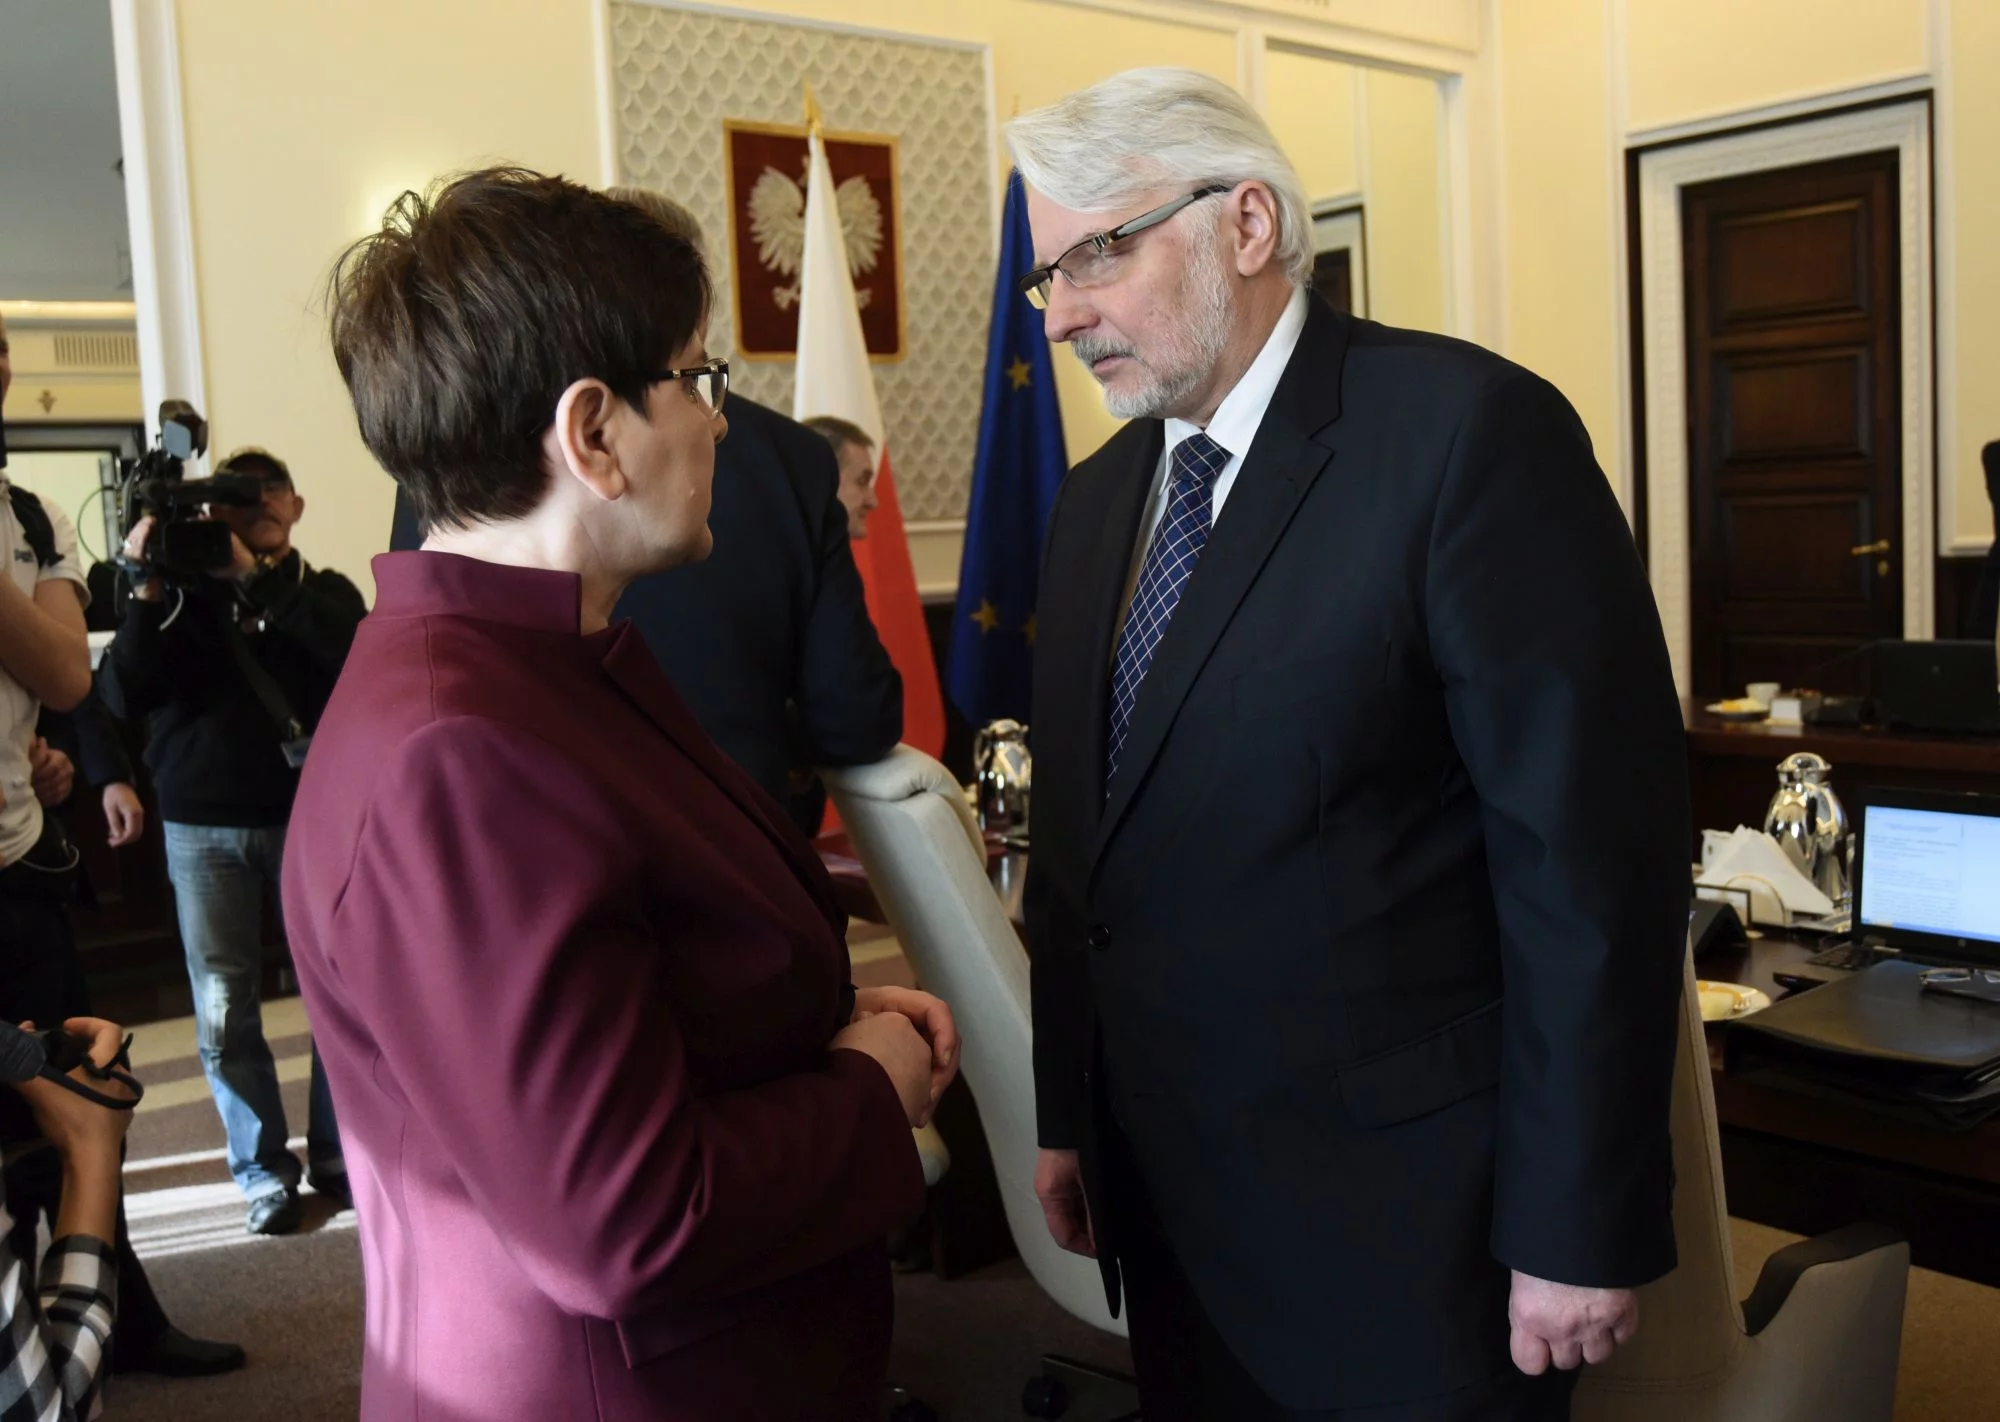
[(1340, 256), (766, 169)]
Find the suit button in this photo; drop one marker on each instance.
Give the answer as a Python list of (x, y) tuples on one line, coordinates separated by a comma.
[(1099, 936)]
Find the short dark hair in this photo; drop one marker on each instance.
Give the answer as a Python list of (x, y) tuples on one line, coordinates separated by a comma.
[(839, 432), (663, 210), (459, 324)]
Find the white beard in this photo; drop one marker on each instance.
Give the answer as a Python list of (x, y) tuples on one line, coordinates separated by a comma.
[(1208, 306)]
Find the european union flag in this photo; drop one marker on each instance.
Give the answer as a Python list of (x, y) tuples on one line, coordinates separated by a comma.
[(1020, 462)]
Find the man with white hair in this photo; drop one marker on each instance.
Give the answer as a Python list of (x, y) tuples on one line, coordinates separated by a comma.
[(1359, 891)]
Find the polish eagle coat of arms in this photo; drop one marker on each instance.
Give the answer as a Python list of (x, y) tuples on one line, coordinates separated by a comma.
[(777, 207)]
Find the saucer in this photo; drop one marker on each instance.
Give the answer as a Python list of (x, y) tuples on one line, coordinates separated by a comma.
[(1738, 709), (1725, 1002)]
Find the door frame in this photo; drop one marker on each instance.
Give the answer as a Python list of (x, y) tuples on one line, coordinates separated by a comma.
[(1661, 173)]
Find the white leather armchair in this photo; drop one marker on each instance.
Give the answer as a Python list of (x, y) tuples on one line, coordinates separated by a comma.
[(916, 836), (1819, 1336)]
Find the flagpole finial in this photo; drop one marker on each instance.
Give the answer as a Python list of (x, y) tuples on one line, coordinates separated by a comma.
[(813, 115)]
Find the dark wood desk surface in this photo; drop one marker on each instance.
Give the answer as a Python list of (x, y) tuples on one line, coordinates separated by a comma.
[(1870, 746), (1810, 1165), (1732, 766)]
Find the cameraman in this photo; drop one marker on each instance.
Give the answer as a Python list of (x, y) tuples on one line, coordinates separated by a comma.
[(219, 665)]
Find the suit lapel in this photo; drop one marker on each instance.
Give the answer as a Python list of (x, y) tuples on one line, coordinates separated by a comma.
[(632, 668), (1278, 471)]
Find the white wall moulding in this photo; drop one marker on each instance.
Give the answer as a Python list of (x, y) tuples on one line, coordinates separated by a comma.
[(145, 39), (1785, 110), (1663, 173), (936, 549)]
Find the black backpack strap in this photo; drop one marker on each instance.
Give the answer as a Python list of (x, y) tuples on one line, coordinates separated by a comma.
[(35, 525), (269, 693)]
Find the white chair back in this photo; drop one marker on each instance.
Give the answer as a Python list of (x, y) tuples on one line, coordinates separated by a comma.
[(917, 838)]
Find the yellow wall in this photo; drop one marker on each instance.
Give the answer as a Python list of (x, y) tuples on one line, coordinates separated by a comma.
[(1561, 275), (1974, 208), (1404, 211), (1562, 173), (1310, 104), (303, 121), (1690, 58)]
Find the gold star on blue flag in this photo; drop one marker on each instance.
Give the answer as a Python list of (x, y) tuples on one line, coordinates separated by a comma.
[(1019, 464)]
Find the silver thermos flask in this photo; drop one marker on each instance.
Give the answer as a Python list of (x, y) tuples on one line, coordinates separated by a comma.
[(1807, 821)]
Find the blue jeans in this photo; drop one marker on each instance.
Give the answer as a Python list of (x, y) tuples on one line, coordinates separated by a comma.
[(220, 875)]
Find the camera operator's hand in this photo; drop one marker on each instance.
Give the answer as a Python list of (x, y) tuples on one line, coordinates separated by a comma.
[(85, 1134), (242, 563), (73, 1124), (123, 813), (145, 589), (50, 772)]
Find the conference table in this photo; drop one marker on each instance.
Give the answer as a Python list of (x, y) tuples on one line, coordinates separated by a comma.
[(1795, 1162)]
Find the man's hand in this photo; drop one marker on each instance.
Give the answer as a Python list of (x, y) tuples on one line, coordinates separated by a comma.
[(1059, 1186), (50, 772), (242, 563), (931, 1016), (144, 589), (1565, 1324), (124, 814)]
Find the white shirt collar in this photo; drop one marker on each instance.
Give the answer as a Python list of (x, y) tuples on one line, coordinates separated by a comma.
[(1242, 409)]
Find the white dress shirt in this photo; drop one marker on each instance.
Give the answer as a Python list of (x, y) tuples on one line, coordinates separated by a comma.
[(1234, 426)]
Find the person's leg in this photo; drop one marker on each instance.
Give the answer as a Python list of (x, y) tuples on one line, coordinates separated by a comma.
[(219, 898), (1510, 1397), (1185, 1371)]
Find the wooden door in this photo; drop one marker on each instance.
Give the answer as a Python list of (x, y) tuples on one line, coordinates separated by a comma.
[(1794, 423)]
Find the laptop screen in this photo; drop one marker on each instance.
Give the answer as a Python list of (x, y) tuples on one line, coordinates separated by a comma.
[(1931, 871)]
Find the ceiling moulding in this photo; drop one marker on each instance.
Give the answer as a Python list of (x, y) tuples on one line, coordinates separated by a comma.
[(1452, 24), (68, 313)]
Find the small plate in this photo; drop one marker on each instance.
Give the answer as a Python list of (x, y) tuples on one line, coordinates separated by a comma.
[(1742, 709), (1725, 1002)]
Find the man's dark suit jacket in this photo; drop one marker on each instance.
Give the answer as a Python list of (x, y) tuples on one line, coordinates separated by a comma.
[(1373, 949), (768, 639)]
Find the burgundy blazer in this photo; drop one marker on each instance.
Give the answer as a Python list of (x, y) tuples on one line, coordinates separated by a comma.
[(573, 978)]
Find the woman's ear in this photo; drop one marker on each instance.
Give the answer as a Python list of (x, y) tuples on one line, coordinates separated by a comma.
[(582, 441)]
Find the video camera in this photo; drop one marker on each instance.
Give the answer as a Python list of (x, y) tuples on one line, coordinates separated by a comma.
[(185, 544)]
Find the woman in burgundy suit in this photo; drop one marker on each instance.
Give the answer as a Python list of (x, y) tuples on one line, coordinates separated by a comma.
[(623, 1143)]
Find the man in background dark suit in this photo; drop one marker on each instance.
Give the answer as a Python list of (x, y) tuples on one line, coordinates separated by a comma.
[(768, 640), (1358, 895)]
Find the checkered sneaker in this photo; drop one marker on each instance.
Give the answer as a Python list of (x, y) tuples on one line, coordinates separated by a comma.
[(1177, 544)]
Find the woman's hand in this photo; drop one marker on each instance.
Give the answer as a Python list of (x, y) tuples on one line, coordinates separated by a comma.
[(931, 1016), (893, 1042)]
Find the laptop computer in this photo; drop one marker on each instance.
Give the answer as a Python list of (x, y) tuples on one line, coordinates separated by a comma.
[(1926, 885), (1937, 686)]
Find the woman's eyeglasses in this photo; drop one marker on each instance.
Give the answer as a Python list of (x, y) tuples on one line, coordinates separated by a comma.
[(707, 382)]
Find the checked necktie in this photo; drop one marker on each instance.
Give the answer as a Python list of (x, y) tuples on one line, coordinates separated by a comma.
[(1182, 533)]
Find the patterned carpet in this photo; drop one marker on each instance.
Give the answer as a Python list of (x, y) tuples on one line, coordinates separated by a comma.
[(965, 1346)]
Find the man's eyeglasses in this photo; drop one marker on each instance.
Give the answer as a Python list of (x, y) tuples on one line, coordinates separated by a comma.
[(707, 382), (1090, 262)]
